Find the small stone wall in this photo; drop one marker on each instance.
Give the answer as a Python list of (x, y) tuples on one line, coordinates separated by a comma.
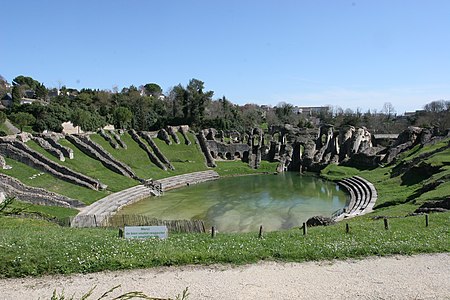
[(53, 140), (146, 136), (104, 159), (228, 151), (206, 151), (163, 135), (184, 129), (150, 154), (49, 148), (126, 170), (108, 138), (119, 140), (172, 131), (14, 188), (2, 162), (22, 153)]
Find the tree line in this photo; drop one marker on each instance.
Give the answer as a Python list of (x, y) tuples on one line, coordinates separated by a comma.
[(147, 108)]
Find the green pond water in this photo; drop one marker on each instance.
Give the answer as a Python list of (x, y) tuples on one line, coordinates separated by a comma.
[(242, 204)]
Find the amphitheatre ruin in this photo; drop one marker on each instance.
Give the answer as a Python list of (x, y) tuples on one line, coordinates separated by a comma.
[(293, 149)]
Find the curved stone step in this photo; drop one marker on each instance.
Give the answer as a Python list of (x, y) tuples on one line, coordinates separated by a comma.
[(363, 196)]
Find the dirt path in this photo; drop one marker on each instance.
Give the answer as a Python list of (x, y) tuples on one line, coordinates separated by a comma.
[(397, 277)]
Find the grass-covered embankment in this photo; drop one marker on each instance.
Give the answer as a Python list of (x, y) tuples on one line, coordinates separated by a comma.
[(31, 247), (419, 175)]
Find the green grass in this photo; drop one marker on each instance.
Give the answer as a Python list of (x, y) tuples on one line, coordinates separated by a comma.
[(52, 211), (34, 248), (236, 167), (184, 158), (335, 172), (46, 181), (88, 166), (134, 156), (5, 128), (396, 195)]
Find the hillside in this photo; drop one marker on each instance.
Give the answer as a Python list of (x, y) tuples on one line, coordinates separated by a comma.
[(36, 247), (417, 176), (145, 157)]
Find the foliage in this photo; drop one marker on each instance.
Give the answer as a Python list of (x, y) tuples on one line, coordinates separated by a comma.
[(88, 121), (2, 117), (122, 117), (153, 89), (22, 119)]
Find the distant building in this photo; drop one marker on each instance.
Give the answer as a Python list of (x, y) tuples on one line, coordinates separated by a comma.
[(6, 101), (310, 110)]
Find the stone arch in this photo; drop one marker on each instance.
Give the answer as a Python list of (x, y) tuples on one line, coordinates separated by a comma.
[(228, 156), (245, 156), (213, 154), (220, 154), (237, 154)]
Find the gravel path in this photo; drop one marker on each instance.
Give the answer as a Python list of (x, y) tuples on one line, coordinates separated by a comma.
[(396, 277)]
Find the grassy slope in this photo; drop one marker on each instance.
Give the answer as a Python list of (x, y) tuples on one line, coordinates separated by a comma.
[(5, 128), (69, 250), (44, 180), (396, 194)]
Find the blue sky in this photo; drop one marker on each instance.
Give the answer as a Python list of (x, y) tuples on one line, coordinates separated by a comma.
[(352, 54)]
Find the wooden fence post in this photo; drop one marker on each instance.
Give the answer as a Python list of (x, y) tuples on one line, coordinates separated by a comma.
[(347, 228), (427, 220), (213, 232), (120, 233), (386, 224), (260, 232), (305, 229)]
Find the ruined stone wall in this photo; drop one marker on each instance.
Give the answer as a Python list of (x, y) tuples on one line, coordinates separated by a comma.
[(205, 149), (163, 135), (2, 162), (106, 160), (172, 131), (153, 158), (33, 159), (184, 129), (53, 140), (218, 147), (156, 150), (49, 148), (313, 149), (119, 140), (108, 138), (125, 168), (14, 188)]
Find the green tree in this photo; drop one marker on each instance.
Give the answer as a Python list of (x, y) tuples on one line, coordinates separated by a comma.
[(26, 81), (41, 91), (3, 87), (122, 117), (152, 89), (196, 101), (17, 93), (22, 119), (2, 117), (284, 112)]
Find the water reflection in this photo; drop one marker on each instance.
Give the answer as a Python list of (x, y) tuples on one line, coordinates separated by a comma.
[(242, 204)]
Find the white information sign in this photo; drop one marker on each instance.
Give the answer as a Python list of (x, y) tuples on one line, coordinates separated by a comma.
[(144, 232)]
